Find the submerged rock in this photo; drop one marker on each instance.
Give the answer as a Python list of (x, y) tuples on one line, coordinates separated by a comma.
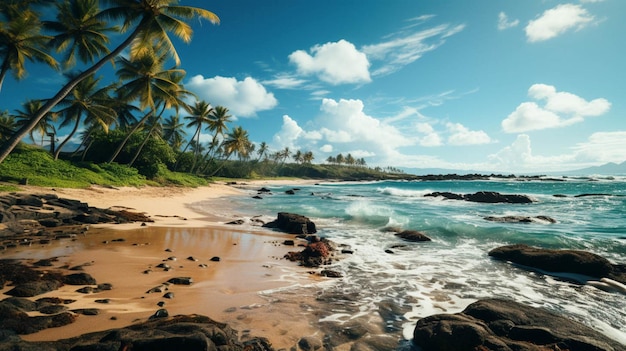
[(521, 219), (485, 197), (495, 324)]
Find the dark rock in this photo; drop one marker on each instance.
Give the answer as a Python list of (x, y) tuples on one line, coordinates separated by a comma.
[(289, 243), (484, 197), (496, 324), (191, 258), (104, 301), (86, 290), (160, 313), (330, 273), (215, 259), (314, 254), (257, 197), (181, 281), (292, 223), (520, 219), (558, 261), (87, 311), (310, 343), (413, 235), (236, 222), (168, 295), (79, 279), (52, 309), (34, 288)]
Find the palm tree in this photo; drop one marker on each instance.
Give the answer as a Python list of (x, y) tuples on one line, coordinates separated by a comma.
[(87, 100), (236, 142), (200, 114), (154, 87), (7, 125), (262, 151), (155, 130), (298, 156), (308, 157), (20, 40), (218, 123), (285, 154), (153, 19), (44, 126), (79, 32), (125, 110), (173, 132)]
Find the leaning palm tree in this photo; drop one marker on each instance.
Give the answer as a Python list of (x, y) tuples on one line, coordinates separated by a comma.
[(152, 20), (89, 102), (21, 39), (200, 114), (42, 128), (154, 130)]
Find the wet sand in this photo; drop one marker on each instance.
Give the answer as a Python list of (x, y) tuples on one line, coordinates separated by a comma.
[(234, 290)]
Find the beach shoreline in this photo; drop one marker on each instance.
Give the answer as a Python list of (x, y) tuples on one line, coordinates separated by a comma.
[(232, 267)]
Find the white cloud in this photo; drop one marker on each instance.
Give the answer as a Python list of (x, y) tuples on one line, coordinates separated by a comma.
[(285, 82), (602, 147), (505, 23), (556, 21), (406, 49), (343, 126), (560, 109), (429, 137), (335, 63), (243, 98), (460, 135)]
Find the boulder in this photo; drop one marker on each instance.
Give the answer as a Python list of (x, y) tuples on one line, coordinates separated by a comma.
[(34, 288), (485, 197), (292, 223), (497, 324), (561, 261), (412, 235), (79, 279)]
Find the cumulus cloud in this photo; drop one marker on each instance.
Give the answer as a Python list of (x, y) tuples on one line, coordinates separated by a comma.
[(343, 125), (243, 98), (404, 48), (560, 109), (505, 23), (460, 135), (556, 21), (334, 63), (602, 147), (428, 136)]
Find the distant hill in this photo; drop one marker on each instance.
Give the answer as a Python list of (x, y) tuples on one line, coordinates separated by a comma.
[(610, 168)]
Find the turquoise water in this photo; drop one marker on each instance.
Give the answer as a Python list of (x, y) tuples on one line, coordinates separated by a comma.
[(420, 279)]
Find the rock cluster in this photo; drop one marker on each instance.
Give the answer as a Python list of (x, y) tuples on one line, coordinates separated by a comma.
[(192, 332), (496, 324), (28, 218)]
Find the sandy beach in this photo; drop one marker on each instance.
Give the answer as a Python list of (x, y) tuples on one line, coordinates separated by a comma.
[(235, 289)]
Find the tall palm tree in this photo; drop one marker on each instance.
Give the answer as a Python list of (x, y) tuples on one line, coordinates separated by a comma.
[(200, 114), (42, 128), (174, 132), (262, 151), (89, 101), (152, 20), (154, 87), (79, 32), (298, 156), (154, 130), (21, 39), (308, 157), (236, 142)]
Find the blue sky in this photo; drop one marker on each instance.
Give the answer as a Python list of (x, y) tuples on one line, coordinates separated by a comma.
[(487, 85)]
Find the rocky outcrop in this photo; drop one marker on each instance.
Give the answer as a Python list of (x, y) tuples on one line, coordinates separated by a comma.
[(521, 219), (561, 261), (292, 223), (495, 324), (192, 333), (26, 218), (412, 235), (485, 197)]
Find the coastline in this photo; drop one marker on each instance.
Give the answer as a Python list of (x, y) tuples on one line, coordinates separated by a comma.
[(230, 290)]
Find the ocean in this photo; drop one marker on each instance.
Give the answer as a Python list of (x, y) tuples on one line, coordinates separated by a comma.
[(396, 283)]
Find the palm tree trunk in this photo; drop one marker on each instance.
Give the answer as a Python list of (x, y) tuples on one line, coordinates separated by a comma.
[(10, 144), (4, 70), (143, 143), (221, 166), (195, 153), (58, 150), (129, 134)]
